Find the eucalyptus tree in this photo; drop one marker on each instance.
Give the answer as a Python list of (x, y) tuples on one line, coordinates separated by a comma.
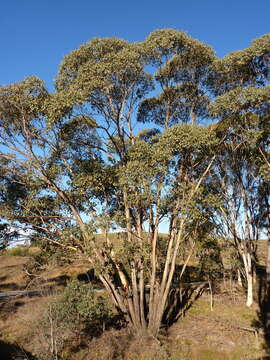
[(243, 109), (89, 167), (238, 185)]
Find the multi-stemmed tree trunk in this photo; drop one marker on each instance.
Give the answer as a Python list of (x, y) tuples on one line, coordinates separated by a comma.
[(145, 287)]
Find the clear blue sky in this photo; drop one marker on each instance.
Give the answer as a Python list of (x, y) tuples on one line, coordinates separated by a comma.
[(36, 34)]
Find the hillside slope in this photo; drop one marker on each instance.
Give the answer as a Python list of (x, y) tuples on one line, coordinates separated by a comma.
[(227, 332)]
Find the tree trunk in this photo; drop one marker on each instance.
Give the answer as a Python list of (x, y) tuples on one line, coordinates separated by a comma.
[(267, 295), (249, 301), (249, 276), (239, 278)]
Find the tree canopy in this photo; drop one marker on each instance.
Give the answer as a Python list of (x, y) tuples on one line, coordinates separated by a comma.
[(137, 135)]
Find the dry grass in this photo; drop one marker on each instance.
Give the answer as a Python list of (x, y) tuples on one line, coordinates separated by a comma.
[(224, 333), (23, 251), (20, 321), (262, 252), (12, 275), (202, 334), (17, 323)]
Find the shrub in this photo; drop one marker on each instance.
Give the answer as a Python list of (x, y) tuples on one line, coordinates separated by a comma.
[(77, 312), (80, 304), (210, 262)]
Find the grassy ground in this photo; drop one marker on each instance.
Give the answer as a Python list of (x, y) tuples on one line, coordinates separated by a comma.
[(226, 332)]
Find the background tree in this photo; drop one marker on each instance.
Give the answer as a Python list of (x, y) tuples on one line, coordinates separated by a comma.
[(243, 107), (237, 183)]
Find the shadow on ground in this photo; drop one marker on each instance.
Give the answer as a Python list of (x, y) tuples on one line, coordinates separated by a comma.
[(184, 293), (14, 352), (263, 322)]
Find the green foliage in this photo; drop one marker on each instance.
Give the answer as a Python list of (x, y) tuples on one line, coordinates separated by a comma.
[(182, 138), (27, 97), (209, 255), (81, 305), (79, 309), (182, 65)]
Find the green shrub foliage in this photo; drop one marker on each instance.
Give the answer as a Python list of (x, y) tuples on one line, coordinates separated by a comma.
[(81, 305)]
